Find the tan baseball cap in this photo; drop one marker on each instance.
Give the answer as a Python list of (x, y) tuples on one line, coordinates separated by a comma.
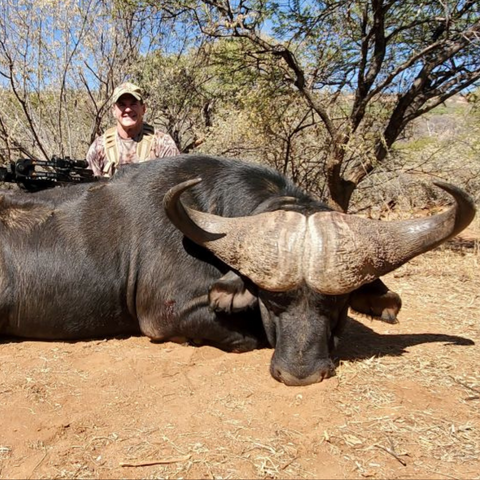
[(127, 88)]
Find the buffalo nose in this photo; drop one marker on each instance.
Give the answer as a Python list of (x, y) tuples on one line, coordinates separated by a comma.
[(285, 376)]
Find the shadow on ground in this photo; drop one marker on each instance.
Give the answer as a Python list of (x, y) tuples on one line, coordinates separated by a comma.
[(360, 342)]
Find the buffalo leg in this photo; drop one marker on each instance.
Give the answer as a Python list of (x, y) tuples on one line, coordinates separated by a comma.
[(235, 333), (377, 300), (198, 324)]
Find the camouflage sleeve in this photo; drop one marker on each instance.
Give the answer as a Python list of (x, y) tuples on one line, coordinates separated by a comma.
[(96, 156), (164, 146)]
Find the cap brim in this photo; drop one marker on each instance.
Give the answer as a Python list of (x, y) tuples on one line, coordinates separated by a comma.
[(134, 95)]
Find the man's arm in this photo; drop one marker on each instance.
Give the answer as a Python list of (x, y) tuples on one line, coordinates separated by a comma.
[(96, 157)]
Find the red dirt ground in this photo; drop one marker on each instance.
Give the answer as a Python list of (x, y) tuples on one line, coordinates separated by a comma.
[(404, 403)]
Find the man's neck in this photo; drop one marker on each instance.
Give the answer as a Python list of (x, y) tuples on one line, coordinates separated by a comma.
[(129, 132)]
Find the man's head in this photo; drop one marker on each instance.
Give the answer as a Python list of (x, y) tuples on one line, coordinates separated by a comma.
[(127, 88), (128, 109)]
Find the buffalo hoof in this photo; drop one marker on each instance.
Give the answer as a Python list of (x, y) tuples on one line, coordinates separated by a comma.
[(389, 317)]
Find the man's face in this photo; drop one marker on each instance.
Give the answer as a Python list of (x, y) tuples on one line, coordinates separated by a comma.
[(129, 111)]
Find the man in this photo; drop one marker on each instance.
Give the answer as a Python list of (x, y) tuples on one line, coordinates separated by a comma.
[(131, 140)]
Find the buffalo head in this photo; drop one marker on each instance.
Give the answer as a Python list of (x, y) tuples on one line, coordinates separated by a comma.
[(305, 267)]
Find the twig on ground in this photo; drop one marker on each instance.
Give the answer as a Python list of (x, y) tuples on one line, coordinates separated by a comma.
[(148, 463), (392, 453), (38, 464), (468, 387), (288, 463)]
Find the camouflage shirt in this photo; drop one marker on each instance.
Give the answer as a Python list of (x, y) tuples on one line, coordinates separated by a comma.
[(162, 146)]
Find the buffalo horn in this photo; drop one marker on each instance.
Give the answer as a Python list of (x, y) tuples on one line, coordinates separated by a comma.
[(343, 252), (265, 247), (334, 253)]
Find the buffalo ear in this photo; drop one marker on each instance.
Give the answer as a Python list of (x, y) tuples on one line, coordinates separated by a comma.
[(376, 300), (231, 294)]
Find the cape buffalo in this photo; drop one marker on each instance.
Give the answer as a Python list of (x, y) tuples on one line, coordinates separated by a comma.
[(207, 249)]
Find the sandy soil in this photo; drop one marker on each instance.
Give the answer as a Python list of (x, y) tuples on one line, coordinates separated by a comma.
[(404, 403)]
